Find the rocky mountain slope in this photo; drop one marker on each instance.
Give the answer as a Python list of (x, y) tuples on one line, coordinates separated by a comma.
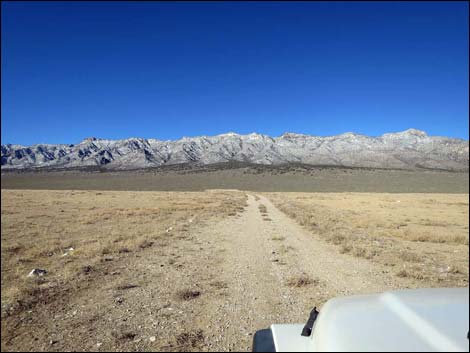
[(409, 149)]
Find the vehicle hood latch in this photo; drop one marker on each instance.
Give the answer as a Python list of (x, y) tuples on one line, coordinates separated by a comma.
[(307, 330)]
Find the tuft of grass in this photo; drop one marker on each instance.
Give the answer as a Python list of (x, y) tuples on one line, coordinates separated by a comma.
[(414, 272), (403, 273), (219, 285), (285, 249), (278, 238), (360, 252), (301, 281), (337, 238), (188, 340), (146, 244), (409, 256), (263, 209), (124, 336), (345, 248), (126, 286), (366, 253), (188, 294)]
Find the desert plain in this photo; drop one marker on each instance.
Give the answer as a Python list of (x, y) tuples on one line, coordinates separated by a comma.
[(190, 260)]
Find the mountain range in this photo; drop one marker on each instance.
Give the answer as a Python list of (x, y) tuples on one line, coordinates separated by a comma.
[(410, 149)]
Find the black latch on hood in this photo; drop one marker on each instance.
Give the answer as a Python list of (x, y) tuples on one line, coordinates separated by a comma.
[(307, 330)]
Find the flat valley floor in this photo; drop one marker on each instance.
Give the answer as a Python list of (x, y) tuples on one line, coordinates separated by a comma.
[(258, 178), (203, 270)]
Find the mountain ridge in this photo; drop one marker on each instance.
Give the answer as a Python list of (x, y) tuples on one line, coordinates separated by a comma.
[(409, 149)]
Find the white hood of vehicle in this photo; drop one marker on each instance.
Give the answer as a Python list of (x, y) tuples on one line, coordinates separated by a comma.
[(408, 320)]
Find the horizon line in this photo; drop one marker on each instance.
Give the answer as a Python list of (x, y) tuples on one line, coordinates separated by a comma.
[(94, 138)]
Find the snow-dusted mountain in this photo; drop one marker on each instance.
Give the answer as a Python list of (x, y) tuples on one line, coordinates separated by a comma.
[(408, 149)]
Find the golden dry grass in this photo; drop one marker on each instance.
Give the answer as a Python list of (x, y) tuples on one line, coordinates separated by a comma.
[(262, 208), (39, 228), (278, 238), (301, 281), (425, 236)]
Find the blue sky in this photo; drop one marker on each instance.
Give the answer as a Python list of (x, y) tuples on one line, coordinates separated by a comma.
[(168, 70)]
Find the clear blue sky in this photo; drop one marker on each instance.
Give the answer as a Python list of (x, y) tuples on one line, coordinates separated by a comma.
[(167, 70)]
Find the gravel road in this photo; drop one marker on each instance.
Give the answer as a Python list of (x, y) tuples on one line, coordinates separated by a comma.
[(267, 265)]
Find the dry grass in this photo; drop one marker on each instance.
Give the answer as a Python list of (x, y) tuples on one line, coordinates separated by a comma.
[(262, 208), (188, 294), (413, 272), (286, 249), (39, 228), (189, 340), (409, 256), (301, 281), (278, 238), (219, 285), (427, 231), (438, 238)]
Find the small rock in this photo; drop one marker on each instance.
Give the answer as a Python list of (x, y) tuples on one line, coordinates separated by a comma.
[(99, 344), (37, 272), (68, 251), (153, 339), (87, 269)]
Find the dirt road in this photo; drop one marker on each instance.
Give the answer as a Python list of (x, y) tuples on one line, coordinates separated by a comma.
[(207, 286), (266, 266)]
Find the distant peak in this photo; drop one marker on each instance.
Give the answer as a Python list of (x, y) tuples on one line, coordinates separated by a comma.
[(349, 133), (409, 132), (228, 134), (255, 135), (89, 139), (415, 132), (292, 134)]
